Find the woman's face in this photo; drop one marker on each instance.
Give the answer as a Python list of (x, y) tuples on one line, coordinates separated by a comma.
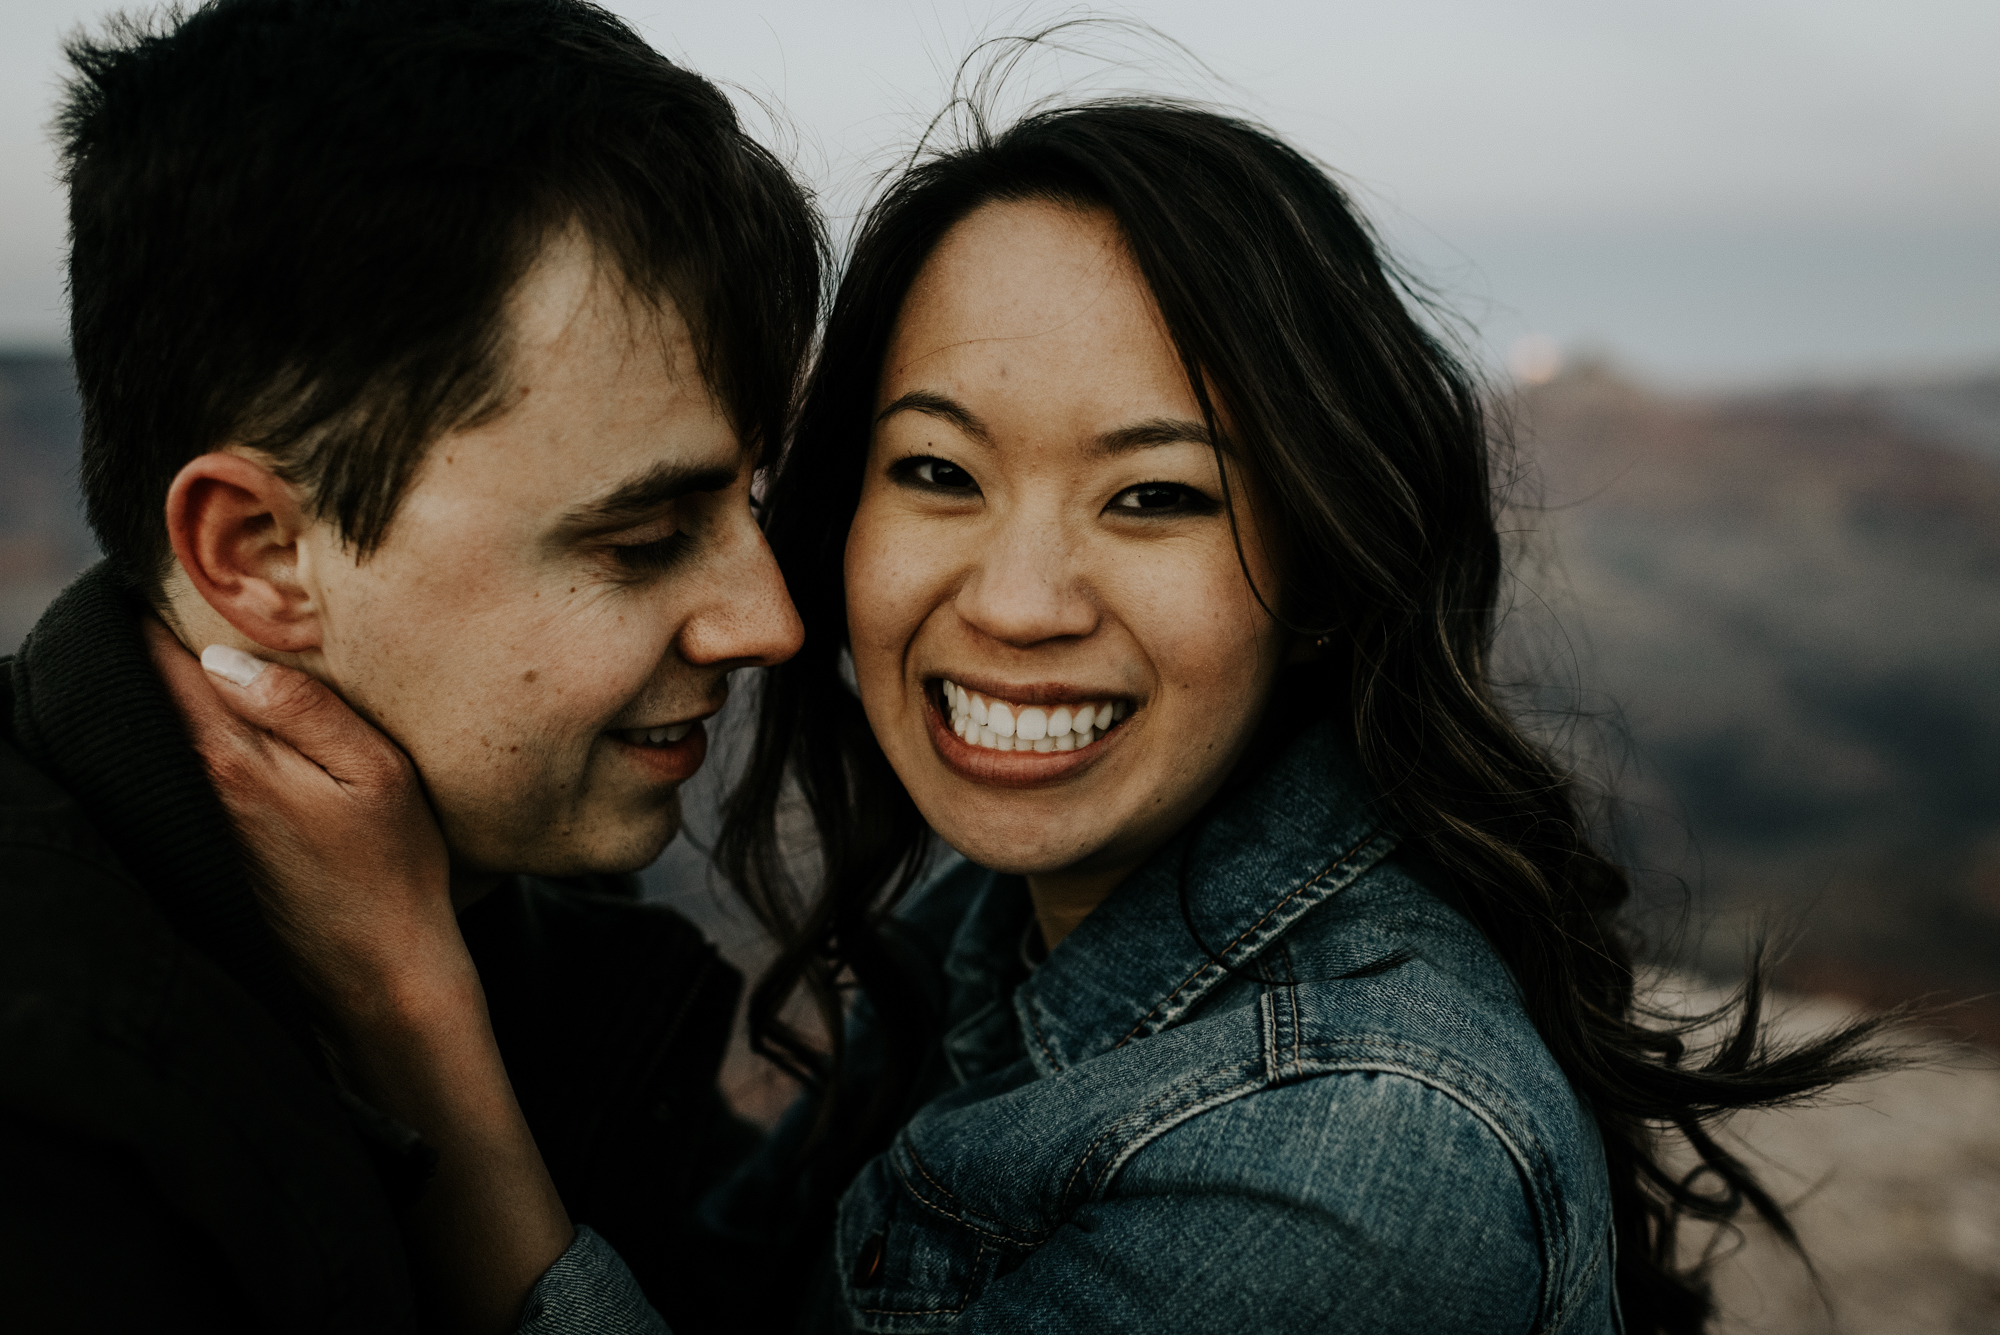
[(1054, 641)]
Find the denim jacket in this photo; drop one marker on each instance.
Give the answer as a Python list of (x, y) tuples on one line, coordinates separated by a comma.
[(1329, 1113)]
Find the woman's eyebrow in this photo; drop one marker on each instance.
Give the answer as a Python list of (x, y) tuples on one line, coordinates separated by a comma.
[(932, 404), (1155, 431), (1138, 436)]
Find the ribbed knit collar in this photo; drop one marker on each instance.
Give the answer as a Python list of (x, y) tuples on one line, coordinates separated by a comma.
[(91, 711)]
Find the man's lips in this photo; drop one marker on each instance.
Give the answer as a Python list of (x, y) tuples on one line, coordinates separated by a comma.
[(671, 732), (1008, 769), (670, 753)]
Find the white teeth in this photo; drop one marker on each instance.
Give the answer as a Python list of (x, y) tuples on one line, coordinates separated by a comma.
[(661, 736), (998, 725)]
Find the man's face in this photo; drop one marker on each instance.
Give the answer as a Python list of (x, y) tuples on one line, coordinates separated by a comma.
[(564, 590)]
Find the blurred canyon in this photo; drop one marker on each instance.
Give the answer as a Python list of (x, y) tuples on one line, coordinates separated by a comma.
[(1770, 621)]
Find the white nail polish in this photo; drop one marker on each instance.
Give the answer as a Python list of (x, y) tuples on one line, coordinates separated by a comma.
[(232, 665)]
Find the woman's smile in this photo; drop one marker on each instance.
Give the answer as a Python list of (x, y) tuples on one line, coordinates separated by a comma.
[(1022, 737)]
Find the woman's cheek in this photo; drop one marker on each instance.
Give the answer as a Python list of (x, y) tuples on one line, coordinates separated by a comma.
[(881, 624)]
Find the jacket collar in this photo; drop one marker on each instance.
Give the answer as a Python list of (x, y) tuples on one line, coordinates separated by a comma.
[(90, 711), (1299, 834)]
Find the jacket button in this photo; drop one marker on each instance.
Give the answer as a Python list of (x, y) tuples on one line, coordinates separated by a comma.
[(868, 1265)]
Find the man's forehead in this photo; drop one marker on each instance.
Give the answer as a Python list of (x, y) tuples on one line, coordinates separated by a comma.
[(606, 411), (585, 450), (573, 281)]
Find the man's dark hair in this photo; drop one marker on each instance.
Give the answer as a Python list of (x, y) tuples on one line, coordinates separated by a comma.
[(294, 225)]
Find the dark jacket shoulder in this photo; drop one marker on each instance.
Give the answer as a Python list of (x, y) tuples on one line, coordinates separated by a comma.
[(152, 1112), (154, 1035)]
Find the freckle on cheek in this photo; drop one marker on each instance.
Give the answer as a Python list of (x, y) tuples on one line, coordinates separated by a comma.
[(530, 675)]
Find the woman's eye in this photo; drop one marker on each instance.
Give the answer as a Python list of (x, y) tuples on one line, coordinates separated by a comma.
[(927, 471), (1157, 497)]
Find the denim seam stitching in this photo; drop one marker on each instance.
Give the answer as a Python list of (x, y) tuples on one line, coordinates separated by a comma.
[(1292, 990), (1573, 1300), (1139, 1116), (961, 1206), (1248, 932), (1538, 1177), (931, 1205), (964, 1299), (1245, 1080), (1270, 1044), (1040, 1039), (1180, 1117)]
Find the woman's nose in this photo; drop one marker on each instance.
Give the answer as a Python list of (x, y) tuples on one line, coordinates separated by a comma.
[(1026, 587)]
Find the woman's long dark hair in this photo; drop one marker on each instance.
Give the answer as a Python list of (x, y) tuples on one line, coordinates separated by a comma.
[(1375, 447)]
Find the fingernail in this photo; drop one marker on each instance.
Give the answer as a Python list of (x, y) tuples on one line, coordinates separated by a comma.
[(232, 665)]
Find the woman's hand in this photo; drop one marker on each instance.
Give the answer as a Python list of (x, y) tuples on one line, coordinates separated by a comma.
[(353, 872), (356, 881)]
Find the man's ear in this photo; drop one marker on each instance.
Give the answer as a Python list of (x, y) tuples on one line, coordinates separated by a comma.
[(236, 526)]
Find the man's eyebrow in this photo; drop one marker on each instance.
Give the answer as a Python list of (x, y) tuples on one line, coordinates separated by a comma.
[(639, 497), (932, 404), (1155, 431)]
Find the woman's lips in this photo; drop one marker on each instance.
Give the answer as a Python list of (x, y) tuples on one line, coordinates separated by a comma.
[(1007, 769), (1047, 719), (664, 761)]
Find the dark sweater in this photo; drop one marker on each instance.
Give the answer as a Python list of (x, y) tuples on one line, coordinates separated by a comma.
[(173, 1152)]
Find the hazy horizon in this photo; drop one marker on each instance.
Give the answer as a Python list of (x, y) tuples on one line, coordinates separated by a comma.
[(1715, 194)]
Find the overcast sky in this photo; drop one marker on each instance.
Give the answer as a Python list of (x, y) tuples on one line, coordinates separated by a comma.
[(1710, 190)]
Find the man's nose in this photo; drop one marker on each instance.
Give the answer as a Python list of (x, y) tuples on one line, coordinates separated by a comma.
[(747, 619)]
